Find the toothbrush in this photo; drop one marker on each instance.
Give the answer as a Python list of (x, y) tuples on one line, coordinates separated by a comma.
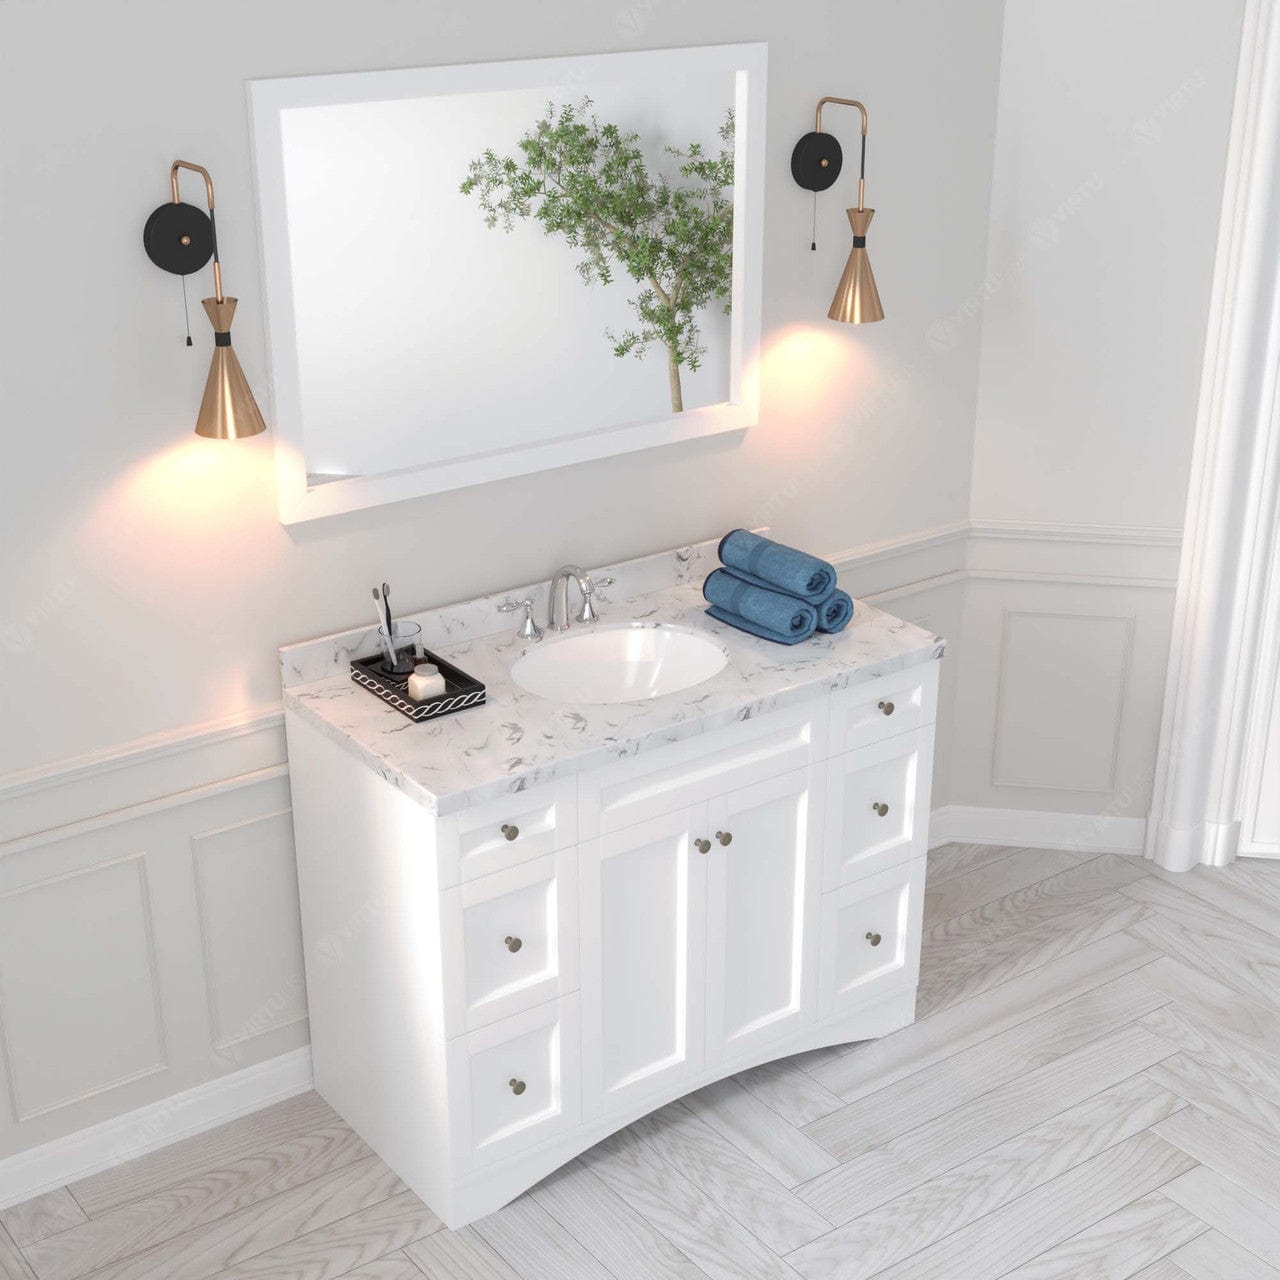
[(385, 636), (386, 604)]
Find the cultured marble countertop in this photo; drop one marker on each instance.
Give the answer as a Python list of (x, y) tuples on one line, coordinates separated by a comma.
[(518, 739)]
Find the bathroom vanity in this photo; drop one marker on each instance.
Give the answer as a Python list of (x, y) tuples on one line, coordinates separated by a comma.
[(529, 923)]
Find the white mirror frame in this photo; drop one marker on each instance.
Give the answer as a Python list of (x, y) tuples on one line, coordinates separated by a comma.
[(299, 501)]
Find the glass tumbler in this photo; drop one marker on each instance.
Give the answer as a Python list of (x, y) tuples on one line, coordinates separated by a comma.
[(406, 645)]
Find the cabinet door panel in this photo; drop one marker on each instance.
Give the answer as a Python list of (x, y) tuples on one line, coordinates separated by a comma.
[(643, 923), (872, 710), (509, 941), (870, 943), (762, 894), (514, 1084), (878, 806)]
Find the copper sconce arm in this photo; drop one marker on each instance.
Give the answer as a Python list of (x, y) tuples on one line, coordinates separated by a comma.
[(862, 166), (208, 192), (842, 102)]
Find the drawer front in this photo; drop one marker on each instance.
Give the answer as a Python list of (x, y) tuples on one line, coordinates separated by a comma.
[(510, 941), (514, 1084), (884, 707), (504, 833), (670, 778), (869, 940), (877, 807)]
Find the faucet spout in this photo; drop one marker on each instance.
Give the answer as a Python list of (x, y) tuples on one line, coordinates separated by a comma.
[(558, 596)]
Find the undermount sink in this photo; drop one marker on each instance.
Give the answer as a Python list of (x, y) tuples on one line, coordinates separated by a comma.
[(619, 664)]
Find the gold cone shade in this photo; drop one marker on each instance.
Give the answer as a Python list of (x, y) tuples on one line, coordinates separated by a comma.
[(857, 299), (228, 410)]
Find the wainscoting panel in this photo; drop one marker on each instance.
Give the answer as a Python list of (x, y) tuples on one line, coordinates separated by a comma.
[(145, 952), (1061, 681), (1060, 702), (79, 987), (247, 892)]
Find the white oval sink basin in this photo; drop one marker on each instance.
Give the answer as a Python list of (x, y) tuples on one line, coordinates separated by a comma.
[(619, 664)]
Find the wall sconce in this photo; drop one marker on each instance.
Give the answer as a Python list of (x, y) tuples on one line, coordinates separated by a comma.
[(815, 165), (179, 238)]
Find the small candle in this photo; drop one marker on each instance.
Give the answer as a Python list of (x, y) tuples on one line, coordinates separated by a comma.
[(426, 682)]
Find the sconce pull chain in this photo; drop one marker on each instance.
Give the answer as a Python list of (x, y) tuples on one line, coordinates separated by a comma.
[(814, 242), (186, 314)]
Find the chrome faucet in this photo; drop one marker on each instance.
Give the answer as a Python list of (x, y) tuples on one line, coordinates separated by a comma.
[(558, 597)]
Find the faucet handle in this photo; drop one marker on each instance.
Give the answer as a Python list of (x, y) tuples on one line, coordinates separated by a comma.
[(529, 629), (589, 584)]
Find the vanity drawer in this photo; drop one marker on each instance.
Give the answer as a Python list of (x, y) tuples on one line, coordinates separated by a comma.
[(877, 807), (510, 941), (506, 832), (869, 938), (883, 707), (666, 779), (514, 1084)]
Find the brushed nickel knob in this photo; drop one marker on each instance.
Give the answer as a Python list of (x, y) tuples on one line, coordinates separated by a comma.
[(725, 837), (513, 944), (517, 1086), (874, 939), (510, 831), (886, 707), (881, 808), (702, 846)]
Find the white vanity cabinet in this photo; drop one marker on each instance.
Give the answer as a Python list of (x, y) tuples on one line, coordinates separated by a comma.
[(494, 990)]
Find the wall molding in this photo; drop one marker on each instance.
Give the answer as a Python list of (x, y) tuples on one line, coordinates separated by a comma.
[(1036, 829), (102, 1146)]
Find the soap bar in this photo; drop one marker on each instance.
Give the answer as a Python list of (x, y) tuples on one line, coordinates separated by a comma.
[(426, 682)]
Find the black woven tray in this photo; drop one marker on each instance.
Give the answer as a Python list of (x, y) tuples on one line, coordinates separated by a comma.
[(460, 690)]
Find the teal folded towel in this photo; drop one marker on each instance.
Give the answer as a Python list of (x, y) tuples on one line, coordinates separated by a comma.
[(771, 615), (835, 611), (751, 628), (770, 564)]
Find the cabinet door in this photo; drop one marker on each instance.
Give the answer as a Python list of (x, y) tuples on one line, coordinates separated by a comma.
[(878, 806), (870, 938), (509, 941), (643, 920), (763, 889)]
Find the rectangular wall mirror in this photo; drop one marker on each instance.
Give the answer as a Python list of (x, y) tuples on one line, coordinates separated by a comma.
[(481, 271)]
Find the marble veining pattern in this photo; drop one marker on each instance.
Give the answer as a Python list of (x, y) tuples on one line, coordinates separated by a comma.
[(518, 739)]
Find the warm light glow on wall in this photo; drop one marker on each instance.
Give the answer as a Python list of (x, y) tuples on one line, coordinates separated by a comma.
[(813, 371), (196, 510)]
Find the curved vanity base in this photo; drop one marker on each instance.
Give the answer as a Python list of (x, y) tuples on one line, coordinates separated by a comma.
[(488, 1190), (495, 989)]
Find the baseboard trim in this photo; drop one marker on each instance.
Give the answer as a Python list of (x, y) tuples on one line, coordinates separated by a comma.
[(1036, 829), (113, 1142)]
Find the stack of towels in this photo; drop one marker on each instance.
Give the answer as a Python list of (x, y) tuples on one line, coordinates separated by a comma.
[(774, 592)]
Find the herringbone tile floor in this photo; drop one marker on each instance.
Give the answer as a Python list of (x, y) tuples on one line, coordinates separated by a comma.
[(1091, 1092)]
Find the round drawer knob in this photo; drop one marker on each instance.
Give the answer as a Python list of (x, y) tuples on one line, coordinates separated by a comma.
[(702, 846), (881, 808), (725, 837), (886, 707), (874, 939), (513, 944), (517, 1086), (509, 831)]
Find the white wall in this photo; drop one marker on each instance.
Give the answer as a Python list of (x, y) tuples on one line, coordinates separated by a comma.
[(1111, 147), (146, 582), (168, 549)]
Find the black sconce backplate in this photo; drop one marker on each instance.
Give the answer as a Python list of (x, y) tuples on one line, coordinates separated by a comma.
[(178, 238), (816, 161)]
